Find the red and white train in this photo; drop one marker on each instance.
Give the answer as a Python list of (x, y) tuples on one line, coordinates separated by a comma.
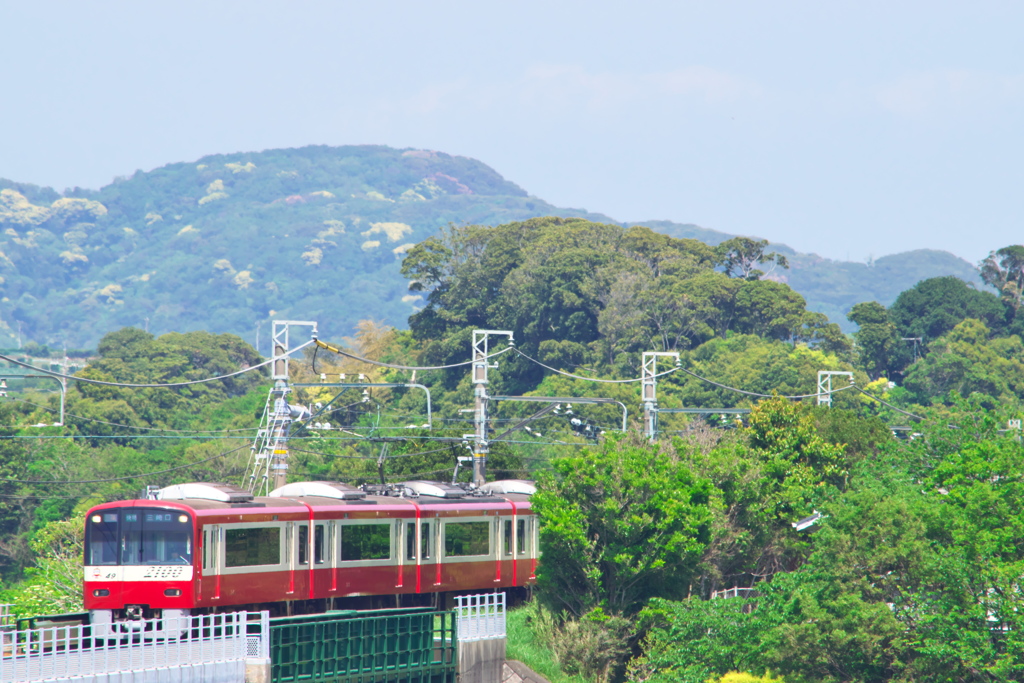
[(307, 547)]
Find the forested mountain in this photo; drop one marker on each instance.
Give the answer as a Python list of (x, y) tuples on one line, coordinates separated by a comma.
[(234, 240)]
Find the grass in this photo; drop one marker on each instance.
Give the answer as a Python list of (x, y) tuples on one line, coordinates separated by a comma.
[(524, 645)]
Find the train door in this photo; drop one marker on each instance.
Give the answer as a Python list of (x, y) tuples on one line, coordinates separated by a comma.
[(429, 574), (210, 576), (289, 546), (534, 546), (523, 548), (496, 548), (506, 549), (321, 552), (401, 554), (333, 554)]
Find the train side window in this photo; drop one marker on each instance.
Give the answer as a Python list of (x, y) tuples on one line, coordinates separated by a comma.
[(425, 540), (318, 545), (303, 544), (250, 547), (365, 542), (522, 539), (462, 539), (508, 538), (206, 548), (410, 541)]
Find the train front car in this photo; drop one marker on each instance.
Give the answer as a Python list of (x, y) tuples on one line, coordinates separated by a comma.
[(139, 561)]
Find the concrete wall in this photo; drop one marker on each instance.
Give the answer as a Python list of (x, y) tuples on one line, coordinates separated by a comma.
[(481, 661), (212, 672)]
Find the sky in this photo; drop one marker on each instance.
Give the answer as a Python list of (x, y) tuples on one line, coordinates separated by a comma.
[(848, 129)]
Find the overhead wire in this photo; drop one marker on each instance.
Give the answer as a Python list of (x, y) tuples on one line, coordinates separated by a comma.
[(754, 393), (148, 429), (395, 366), (115, 436), (886, 403), (592, 379), (35, 497), (56, 482), (168, 385), (367, 457)]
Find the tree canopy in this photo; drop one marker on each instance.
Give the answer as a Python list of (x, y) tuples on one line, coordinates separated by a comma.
[(619, 524)]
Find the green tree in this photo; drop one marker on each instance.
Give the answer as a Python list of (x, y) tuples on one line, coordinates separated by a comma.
[(754, 364), (933, 307), (619, 523), (878, 343), (54, 584), (1004, 270), (693, 640), (586, 293), (967, 361), (741, 256), (769, 309), (132, 356)]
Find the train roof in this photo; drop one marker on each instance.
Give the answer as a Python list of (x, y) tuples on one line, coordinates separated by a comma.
[(325, 494)]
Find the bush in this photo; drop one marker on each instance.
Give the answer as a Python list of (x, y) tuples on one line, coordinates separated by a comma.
[(594, 647)]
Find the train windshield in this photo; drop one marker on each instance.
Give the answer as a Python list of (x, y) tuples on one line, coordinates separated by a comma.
[(138, 536)]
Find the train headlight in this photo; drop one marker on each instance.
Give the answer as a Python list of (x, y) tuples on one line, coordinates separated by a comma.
[(96, 519), (183, 518), (172, 592), (101, 593)]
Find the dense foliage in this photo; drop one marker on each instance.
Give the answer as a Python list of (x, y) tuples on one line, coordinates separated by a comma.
[(860, 556)]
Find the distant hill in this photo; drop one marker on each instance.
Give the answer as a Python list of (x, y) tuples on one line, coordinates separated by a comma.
[(235, 240), (833, 287)]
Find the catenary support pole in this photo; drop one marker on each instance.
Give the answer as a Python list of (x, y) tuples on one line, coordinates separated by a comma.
[(481, 346), (648, 384)]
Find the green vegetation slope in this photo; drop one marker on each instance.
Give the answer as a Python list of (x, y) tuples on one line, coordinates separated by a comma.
[(317, 233)]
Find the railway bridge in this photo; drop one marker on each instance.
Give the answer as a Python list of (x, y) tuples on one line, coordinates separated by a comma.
[(408, 645)]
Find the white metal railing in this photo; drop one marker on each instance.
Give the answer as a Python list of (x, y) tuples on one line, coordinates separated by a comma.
[(73, 650), (6, 616), (480, 617), (735, 593)]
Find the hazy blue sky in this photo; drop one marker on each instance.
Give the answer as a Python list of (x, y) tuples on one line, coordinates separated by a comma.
[(844, 128)]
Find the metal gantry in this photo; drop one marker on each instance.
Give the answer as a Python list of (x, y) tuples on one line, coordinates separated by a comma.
[(649, 393), (269, 459), (825, 385), (270, 448)]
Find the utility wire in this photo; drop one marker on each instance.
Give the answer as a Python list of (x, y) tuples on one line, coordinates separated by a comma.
[(592, 379), (35, 497), (885, 403), (153, 386), (115, 436), (367, 457), (353, 356), (133, 476), (754, 393), (148, 429)]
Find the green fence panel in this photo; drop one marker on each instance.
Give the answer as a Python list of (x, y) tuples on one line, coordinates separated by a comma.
[(401, 646)]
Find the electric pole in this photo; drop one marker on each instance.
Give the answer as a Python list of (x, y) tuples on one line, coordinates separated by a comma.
[(649, 395), (481, 348), (916, 340), (825, 385), (270, 449)]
